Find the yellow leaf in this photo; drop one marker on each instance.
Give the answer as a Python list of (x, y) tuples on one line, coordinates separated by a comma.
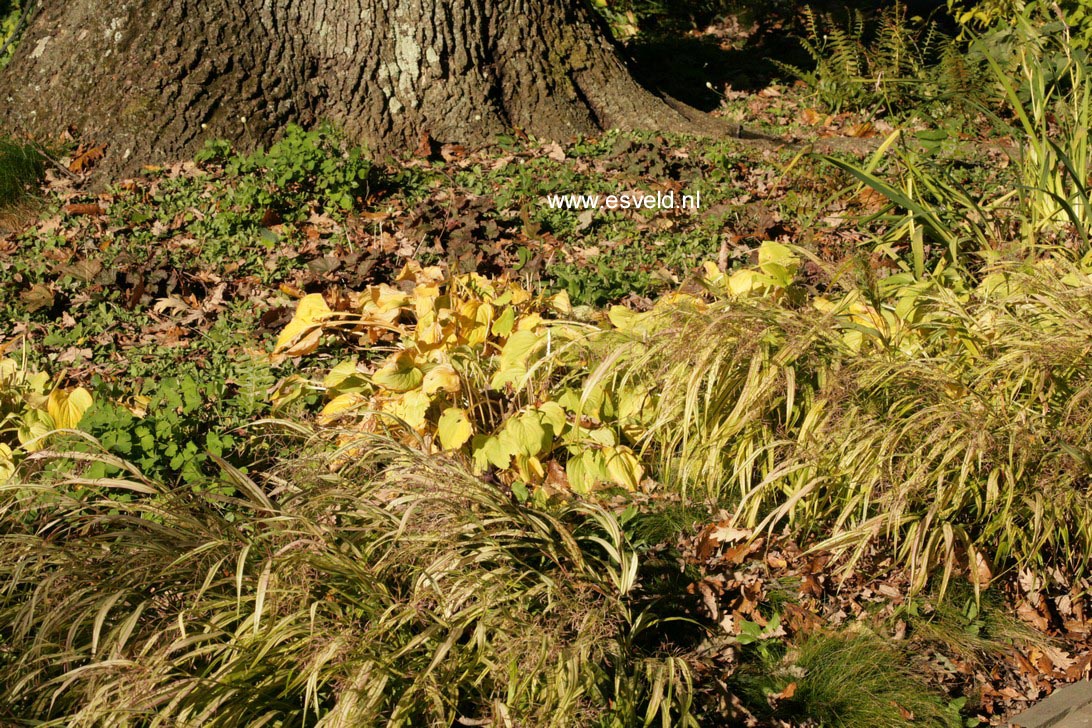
[(301, 335), (442, 377), (553, 414), (36, 424), (67, 408), (624, 467), (385, 298), (454, 428), (743, 282), (527, 434), (496, 450), (411, 407), (399, 374), (621, 317), (562, 304), (713, 273), (522, 295), (340, 373), (505, 322), (339, 405), (530, 467), (529, 322), (7, 463)]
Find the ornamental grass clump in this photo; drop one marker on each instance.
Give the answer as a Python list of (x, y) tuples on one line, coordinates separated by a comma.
[(398, 590), (945, 423)]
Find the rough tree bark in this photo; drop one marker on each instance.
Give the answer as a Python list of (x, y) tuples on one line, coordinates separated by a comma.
[(155, 78)]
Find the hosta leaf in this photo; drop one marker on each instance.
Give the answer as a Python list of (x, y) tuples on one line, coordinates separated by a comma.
[(562, 304), (341, 404), (340, 373), (553, 414), (7, 463), (442, 377), (530, 467), (411, 407), (512, 366), (454, 428), (743, 282), (301, 335), (504, 323), (67, 408), (399, 374), (495, 450), (385, 298), (623, 467), (778, 262), (36, 424), (528, 435), (586, 470), (621, 317)]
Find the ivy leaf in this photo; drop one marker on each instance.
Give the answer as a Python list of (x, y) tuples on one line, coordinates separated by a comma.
[(454, 428)]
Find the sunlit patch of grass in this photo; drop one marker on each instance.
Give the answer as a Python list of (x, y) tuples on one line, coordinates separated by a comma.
[(842, 679)]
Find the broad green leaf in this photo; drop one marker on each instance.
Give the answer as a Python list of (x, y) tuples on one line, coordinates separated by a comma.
[(495, 450), (399, 374), (528, 435), (505, 322), (778, 262), (454, 428)]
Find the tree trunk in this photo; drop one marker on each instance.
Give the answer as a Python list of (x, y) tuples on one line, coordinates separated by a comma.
[(154, 79)]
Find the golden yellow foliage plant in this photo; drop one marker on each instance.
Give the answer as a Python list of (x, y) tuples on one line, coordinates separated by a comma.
[(474, 366), (30, 408)]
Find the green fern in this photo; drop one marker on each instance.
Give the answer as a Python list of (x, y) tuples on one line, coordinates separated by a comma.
[(861, 64)]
